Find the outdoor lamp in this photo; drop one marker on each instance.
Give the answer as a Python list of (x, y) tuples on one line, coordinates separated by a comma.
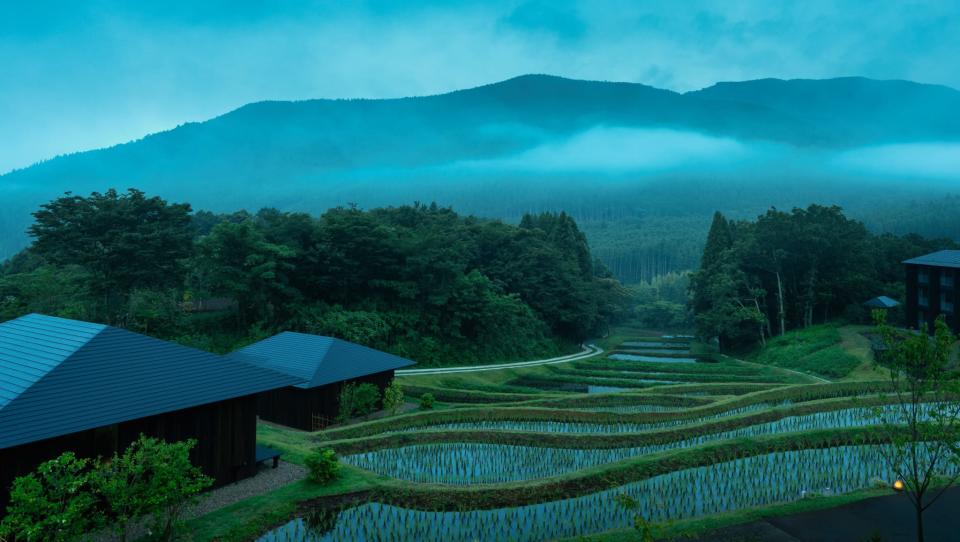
[(898, 485)]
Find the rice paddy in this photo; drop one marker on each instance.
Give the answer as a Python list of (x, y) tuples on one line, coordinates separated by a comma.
[(717, 488), (460, 463), (647, 357), (645, 397)]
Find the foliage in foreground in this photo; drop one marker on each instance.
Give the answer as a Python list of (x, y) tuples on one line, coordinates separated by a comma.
[(68, 497)]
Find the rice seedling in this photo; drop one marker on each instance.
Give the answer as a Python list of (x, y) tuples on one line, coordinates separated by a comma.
[(471, 463), (647, 357), (557, 426), (721, 487)]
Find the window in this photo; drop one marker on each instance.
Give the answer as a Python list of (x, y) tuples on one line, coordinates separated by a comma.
[(923, 299), (923, 276), (946, 303), (946, 278)]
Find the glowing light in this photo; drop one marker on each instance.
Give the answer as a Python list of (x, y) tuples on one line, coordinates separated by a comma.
[(898, 485)]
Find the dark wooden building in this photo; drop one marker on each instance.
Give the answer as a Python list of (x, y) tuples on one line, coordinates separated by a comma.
[(93, 389), (324, 365), (932, 290)]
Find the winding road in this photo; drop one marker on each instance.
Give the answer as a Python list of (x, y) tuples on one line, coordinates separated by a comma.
[(589, 351)]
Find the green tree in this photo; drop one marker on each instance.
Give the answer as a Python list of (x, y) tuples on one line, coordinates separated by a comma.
[(393, 397), (48, 289), (236, 260), (926, 407), (719, 240), (55, 503), (172, 481), (155, 312), (124, 240)]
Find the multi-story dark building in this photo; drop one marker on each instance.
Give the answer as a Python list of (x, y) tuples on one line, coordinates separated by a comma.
[(932, 289)]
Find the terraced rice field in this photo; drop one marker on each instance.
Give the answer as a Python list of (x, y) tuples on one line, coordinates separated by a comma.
[(646, 356), (658, 402), (457, 463), (721, 487)]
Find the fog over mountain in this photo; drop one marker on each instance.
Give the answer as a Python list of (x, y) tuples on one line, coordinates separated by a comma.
[(646, 158)]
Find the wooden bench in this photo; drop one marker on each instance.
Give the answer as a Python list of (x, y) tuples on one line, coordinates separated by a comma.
[(264, 453)]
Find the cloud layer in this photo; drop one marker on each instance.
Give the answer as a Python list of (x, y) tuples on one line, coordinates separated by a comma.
[(79, 75)]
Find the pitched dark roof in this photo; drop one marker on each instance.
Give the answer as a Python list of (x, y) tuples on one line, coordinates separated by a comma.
[(60, 376), (881, 302), (943, 258), (318, 360)]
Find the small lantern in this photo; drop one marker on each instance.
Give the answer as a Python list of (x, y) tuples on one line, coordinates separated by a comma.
[(898, 485)]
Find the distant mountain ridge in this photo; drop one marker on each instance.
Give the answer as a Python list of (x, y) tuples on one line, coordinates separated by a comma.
[(301, 137)]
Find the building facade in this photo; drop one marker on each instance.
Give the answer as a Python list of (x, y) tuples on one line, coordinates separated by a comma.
[(93, 389), (324, 365), (931, 290)]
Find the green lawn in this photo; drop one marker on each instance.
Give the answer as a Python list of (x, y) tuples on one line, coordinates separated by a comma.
[(818, 350)]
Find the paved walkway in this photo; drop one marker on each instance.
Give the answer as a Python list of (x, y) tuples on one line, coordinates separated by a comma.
[(589, 351), (888, 519)]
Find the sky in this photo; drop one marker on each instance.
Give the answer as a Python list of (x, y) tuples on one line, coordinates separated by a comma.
[(77, 75)]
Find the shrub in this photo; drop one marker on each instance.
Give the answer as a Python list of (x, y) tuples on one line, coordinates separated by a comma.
[(67, 497), (393, 397), (358, 400), (152, 478), (322, 465), (54, 503), (426, 401)]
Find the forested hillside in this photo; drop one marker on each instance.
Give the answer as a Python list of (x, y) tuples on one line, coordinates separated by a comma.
[(420, 281), (788, 270), (640, 169)]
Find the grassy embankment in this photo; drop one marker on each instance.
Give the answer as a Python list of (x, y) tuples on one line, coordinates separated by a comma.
[(828, 351)]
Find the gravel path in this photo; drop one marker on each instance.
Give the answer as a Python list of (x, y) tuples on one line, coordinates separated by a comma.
[(267, 479)]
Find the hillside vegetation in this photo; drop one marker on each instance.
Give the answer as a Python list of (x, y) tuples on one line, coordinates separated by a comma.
[(420, 281)]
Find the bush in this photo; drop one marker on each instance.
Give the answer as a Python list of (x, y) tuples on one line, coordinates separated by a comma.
[(426, 401), (358, 400), (393, 397), (67, 497), (54, 503), (322, 465)]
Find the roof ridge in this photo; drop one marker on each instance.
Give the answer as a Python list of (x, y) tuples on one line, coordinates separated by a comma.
[(29, 356)]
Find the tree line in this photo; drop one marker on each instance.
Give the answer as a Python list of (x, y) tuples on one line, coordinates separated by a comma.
[(418, 280), (792, 269)]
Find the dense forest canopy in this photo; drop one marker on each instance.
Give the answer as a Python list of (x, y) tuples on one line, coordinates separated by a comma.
[(792, 269), (418, 280)]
